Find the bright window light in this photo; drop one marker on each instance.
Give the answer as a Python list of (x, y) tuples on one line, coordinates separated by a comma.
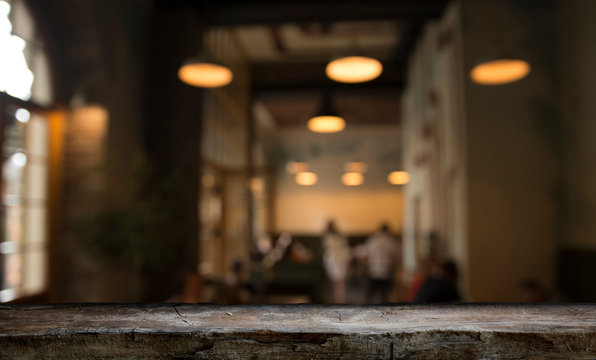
[(19, 159), (23, 115), (16, 78)]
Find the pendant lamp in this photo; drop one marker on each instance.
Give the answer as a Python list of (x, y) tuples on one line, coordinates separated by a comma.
[(354, 69), (306, 178), (352, 179), (326, 120), (205, 73), (499, 71), (398, 178), (501, 63)]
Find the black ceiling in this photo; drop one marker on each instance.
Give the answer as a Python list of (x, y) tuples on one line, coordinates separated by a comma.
[(238, 12)]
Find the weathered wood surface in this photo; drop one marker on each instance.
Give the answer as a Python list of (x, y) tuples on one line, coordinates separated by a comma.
[(168, 331)]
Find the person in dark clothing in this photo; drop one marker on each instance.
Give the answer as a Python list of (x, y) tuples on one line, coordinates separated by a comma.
[(440, 287)]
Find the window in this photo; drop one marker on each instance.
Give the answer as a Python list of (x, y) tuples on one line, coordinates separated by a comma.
[(24, 140)]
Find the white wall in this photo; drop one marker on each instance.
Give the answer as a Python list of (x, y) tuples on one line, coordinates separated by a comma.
[(434, 146)]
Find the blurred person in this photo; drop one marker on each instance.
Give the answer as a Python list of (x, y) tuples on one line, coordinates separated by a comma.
[(422, 272), (441, 284), (336, 258), (381, 250)]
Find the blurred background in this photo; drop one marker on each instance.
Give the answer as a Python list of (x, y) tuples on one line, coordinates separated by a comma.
[(457, 161)]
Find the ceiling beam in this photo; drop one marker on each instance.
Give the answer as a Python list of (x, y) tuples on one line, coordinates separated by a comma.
[(284, 76), (239, 12)]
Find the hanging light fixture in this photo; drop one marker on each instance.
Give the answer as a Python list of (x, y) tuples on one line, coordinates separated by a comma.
[(501, 63), (398, 178), (326, 120), (352, 179), (500, 71), (201, 72), (354, 69), (306, 178)]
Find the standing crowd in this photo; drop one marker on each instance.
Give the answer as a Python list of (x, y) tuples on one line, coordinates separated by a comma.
[(380, 253)]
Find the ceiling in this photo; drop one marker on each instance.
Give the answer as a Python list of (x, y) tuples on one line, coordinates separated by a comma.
[(289, 44), (317, 42)]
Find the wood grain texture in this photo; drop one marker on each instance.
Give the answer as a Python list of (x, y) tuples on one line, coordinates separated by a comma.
[(467, 331)]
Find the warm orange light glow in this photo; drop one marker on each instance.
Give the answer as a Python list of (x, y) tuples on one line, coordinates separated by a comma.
[(326, 124), (355, 166), (90, 120), (257, 184), (306, 178), (204, 74), (352, 179), (398, 178), (354, 69), (294, 167), (500, 71)]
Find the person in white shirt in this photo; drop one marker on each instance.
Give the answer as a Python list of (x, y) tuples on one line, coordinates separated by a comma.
[(381, 249), (336, 258)]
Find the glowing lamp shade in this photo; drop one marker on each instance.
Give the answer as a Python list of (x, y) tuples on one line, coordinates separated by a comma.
[(501, 71), (354, 69), (398, 178), (352, 179), (306, 178), (326, 124), (205, 74)]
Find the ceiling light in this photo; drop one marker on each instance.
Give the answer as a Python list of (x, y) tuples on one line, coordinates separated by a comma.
[(354, 69), (202, 73), (352, 179), (326, 120), (398, 178), (355, 166), (500, 71), (326, 124), (306, 178)]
